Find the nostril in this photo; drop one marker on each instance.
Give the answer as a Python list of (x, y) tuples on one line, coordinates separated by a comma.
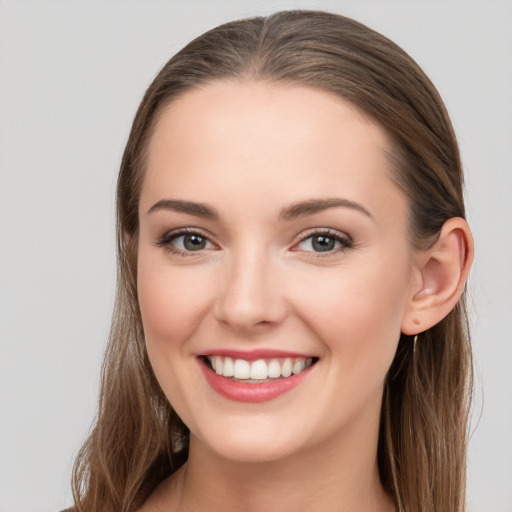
[(250, 299)]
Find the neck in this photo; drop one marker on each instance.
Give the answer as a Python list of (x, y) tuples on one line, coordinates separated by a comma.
[(341, 474)]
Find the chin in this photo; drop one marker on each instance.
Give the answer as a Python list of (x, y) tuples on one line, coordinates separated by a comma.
[(253, 453), (257, 443)]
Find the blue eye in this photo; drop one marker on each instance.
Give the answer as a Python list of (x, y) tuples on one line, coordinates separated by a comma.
[(324, 242)]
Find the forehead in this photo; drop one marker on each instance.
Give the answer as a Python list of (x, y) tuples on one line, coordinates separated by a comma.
[(273, 139)]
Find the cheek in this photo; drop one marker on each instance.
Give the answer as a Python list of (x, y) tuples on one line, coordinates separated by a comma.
[(172, 306), (357, 312), (172, 301)]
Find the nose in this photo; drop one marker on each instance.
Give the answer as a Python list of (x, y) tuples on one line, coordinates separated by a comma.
[(250, 295)]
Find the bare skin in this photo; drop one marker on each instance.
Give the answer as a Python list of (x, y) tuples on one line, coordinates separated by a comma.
[(246, 153), (311, 484)]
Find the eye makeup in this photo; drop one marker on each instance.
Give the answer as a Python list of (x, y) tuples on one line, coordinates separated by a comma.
[(314, 242), (323, 243), (186, 242)]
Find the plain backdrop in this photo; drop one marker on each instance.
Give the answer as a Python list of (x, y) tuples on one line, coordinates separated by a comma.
[(71, 76)]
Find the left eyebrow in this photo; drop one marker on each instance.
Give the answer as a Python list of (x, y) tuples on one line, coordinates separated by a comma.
[(189, 207), (313, 206)]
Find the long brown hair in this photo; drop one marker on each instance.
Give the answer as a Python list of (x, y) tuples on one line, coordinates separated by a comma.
[(137, 439)]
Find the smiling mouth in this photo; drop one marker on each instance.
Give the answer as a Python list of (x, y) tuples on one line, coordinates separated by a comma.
[(258, 371)]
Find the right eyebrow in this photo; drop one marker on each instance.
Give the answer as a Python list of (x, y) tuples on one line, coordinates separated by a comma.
[(189, 207), (313, 206)]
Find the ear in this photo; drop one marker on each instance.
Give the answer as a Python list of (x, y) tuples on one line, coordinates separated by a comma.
[(442, 270)]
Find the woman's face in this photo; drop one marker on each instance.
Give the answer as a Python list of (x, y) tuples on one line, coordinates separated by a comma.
[(272, 238)]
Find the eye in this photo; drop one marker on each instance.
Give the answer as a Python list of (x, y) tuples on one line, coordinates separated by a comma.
[(324, 242), (191, 242), (185, 242)]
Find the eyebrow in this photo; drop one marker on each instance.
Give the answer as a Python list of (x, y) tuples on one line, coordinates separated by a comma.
[(291, 212), (318, 205), (190, 207)]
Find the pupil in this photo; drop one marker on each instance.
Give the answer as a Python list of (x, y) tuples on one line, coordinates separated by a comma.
[(323, 243), (194, 242)]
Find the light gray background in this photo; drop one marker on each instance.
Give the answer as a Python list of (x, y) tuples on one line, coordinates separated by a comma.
[(71, 76)]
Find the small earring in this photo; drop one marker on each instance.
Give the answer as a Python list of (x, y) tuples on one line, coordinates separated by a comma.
[(414, 344)]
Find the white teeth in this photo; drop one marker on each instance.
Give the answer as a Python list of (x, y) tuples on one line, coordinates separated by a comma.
[(298, 366), (260, 369), (228, 369), (242, 369), (217, 364), (287, 367), (274, 369)]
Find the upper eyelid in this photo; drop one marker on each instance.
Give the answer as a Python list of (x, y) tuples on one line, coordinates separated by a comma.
[(343, 239), (168, 236), (323, 231), (186, 231), (175, 233)]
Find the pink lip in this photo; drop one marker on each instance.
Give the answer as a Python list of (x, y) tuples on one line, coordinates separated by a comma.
[(253, 355), (252, 393)]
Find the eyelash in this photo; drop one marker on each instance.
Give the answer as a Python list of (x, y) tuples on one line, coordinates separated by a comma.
[(344, 241), (166, 240)]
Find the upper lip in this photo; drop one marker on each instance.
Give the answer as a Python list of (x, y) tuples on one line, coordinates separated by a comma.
[(255, 354)]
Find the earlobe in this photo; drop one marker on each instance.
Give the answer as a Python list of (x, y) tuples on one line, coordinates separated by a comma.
[(443, 270)]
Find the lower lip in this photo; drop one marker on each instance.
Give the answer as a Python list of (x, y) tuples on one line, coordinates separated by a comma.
[(252, 393)]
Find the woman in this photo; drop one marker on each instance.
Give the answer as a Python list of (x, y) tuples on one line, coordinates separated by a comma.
[(289, 331)]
